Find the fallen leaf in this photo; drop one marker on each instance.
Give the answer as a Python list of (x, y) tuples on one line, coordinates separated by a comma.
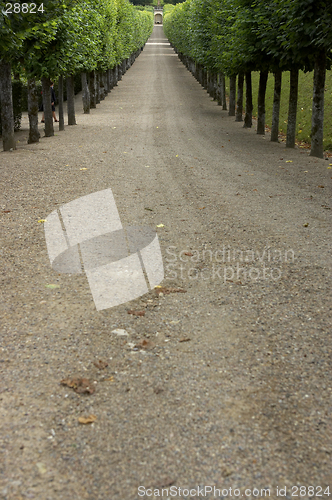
[(147, 208), (189, 254), (100, 364), (320, 186), (160, 225), (306, 224), (254, 189), (41, 468), (7, 212), (289, 161), (52, 286), (136, 313), (87, 420), (80, 385), (144, 344), (186, 339), (201, 208), (42, 220), (176, 156), (84, 168), (227, 472), (111, 379), (166, 290), (147, 166), (120, 332)]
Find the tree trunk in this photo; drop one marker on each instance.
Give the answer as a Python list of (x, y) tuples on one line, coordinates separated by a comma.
[(317, 120), (200, 74), (60, 96), (97, 87), (34, 134), (85, 94), (215, 86), (111, 71), (201, 70), (102, 86), (249, 106), (204, 81), (292, 108), (116, 76), (219, 92), (119, 72), (232, 95), (210, 88), (7, 113), (239, 104), (263, 76), (211, 92), (47, 106), (108, 81), (223, 92), (71, 100), (276, 106), (208, 82), (92, 89)]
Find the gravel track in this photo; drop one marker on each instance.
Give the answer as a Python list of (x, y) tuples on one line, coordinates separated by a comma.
[(233, 386)]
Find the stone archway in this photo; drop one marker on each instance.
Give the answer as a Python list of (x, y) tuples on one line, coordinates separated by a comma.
[(158, 16)]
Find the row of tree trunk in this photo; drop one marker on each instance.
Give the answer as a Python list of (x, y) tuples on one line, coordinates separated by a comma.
[(95, 86), (214, 83)]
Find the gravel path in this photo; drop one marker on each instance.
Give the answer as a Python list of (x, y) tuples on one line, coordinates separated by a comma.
[(230, 385)]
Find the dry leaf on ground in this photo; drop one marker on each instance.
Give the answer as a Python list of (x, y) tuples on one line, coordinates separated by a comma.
[(144, 344), (136, 313), (166, 290), (100, 364), (80, 385), (87, 420)]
